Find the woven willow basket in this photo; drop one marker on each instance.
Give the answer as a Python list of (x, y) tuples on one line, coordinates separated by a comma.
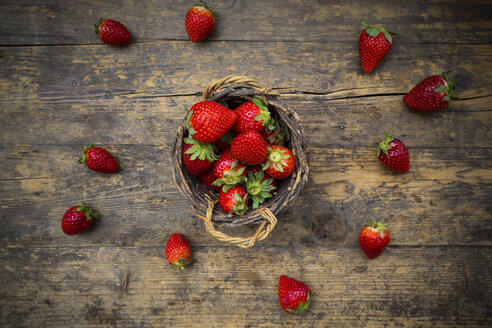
[(236, 89)]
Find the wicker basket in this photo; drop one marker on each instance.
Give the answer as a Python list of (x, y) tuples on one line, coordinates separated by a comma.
[(238, 89)]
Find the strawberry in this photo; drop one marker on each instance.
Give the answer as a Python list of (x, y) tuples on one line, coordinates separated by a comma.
[(198, 158), (208, 121), (294, 296), (253, 115), (99, 160), (225, 141), (77, 219), (234, 200), (229, 171), (208, 179), (199, 21), (112, 32), (394, 154), (249, 147), (178, 251), (278, 136), (259, 187), (374, 45), (373, 239), (280, 162), (432, 94)]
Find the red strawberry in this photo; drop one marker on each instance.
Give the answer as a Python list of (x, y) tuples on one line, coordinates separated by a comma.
[(112, 32), (208, 121), (394, 154), (249, 147), (432, 94), (259, 187), (198, 158), (374, 45), (208, 179), (199, 21), (253, 115), (294, 296), (229, 171), (373, 239), (280, 162), (234, 200), (77, 219), (178, 252), (99, 160), (225, 141)]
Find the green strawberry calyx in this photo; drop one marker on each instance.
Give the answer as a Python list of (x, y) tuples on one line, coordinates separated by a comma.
[(259, 190), (240, 206), (201, 151), (385, 144), (276, 158), (204, 5), (448, 87), (84, 154), (82, 207), (227, 138), (96, 26), (381, 227), (191, 130), (264, 114), (301, 306), (183, 263), (375, 30), (231, 178)]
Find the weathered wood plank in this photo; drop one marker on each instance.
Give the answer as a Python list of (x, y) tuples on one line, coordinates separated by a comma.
[(228, 287), (347, 187), (172, 68), (53, 22)]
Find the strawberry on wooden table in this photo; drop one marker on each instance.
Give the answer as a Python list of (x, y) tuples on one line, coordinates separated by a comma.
[(280, 162), (294, 296), (208, 121), (78, 219), (198, 158), (394, 154), (199, 21), (178, 251), (433, 93), (373, 239), (253, 115), (374, 45), (249, 147), (112, 32), (234, 200), (229, 171), (98, 159)]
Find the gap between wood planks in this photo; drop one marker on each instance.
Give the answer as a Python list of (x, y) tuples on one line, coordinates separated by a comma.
[(287, 247), (228, 40)]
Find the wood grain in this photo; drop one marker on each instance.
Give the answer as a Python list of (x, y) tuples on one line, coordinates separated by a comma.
[(51, 22), (174, 68), (60, 88), (407, 287)]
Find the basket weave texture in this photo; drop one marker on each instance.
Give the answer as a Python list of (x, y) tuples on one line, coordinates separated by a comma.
[(239, 89)]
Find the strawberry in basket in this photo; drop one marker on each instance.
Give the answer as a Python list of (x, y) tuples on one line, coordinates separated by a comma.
[(252, 157), (208, 121)]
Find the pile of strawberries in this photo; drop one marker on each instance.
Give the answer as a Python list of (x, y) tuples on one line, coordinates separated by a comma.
[(239, 152)]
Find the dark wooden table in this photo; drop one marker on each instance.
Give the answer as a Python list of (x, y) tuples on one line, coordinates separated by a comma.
[(60, 88)]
